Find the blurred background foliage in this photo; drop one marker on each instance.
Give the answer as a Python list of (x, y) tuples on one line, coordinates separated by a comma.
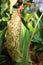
[(30, 18)]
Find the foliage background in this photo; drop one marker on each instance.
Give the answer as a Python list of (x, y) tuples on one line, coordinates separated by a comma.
[(36, 45)]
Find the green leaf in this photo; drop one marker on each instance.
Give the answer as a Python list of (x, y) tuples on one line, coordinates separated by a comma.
[(25, 45), (2, 62), (4, 19), (2, 6), (3, 57), (37, 37), (2, 25), (27, 16), (37, 47), (0, 41), (2, 36), (23, 31), (30, 26)]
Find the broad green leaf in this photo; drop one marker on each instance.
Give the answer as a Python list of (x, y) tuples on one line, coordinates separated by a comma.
[(23, 31), (25, 45)]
